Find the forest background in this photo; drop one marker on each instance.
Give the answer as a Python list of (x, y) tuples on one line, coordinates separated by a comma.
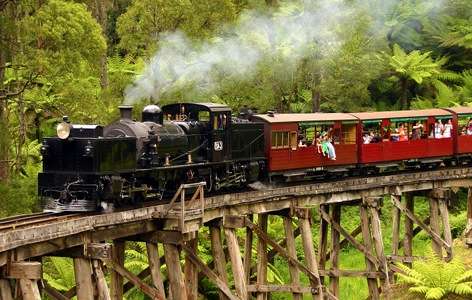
[(84, 58)]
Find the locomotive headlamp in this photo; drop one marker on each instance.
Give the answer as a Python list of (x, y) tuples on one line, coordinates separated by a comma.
[(63, 129)]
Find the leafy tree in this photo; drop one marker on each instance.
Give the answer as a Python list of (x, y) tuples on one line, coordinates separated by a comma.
[(144, 21), (411, 68), (436, 279)]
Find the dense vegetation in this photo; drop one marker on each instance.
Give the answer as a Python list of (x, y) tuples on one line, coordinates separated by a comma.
[(80, 58)]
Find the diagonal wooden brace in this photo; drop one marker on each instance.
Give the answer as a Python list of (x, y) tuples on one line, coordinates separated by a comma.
[(208, 272), (425, 227), (282, 252)]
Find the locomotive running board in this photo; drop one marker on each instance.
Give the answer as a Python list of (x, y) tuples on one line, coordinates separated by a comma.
[(55, 206)]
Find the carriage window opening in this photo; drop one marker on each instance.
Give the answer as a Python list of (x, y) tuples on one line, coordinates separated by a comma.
[(442, 128), (280, 139), (400, 132), (465, 125), (371, 132), (349, 133), (293, 140), (417, 130)]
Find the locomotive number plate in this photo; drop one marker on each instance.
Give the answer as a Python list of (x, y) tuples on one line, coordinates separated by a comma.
[(218, 145)]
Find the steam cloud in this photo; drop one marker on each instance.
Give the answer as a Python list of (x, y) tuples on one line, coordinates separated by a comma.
[(286, 36)]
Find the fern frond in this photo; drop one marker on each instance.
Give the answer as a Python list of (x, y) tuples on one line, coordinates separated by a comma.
[(435, 293), (467, 276), (462, 289)]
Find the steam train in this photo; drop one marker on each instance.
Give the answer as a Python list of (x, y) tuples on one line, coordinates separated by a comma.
[(90, 167)]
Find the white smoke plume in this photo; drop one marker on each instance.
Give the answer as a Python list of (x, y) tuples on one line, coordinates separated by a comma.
[(284, 35)]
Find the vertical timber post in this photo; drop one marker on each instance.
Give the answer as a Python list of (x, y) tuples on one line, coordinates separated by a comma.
[(155, 267), (374, 207), (236, 262), (396, 218), (248, 253), (30, 290), (102, 288), (408, 241), (118, 257), (323, 246), (335, 249), (191, 273), (468, 230), (442, 198), (292, 251), (304, 216), (218, 255), (5, 290), (434, 222), (366, 236), (83, 278), (174, 271), (262, 257)]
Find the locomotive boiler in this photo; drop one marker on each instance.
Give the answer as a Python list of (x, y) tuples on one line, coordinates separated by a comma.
[(88, 167)]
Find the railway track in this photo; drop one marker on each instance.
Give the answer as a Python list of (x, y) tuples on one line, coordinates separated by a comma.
[(35, 219)]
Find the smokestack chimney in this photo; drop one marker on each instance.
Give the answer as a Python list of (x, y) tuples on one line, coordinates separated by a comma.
[(126, 112)]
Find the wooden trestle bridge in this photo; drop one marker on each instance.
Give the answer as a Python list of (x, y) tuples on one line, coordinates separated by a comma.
[(97, 242)]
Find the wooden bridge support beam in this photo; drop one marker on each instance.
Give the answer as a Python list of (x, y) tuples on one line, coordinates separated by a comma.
[(116, 284), (27, 275), (103, 292), (219, 259), (262, 257), (30, 289), (468, 229), (83, 278), (230, 225), (323, 244), (248, 254), (304, 218), (292, 251), (434, 223), (408, 240), (367, 238), (374, 205), (191, 272), (5, 290), (174, 271), (155, 267), (438, 201), (433, 230), (335, 251)]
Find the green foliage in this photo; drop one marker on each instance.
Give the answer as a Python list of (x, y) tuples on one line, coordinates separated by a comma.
[(144, 21), (435, 279), (67, 35), (59, 273)]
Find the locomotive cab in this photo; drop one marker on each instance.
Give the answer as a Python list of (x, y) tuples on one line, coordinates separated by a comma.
[(213, 121)]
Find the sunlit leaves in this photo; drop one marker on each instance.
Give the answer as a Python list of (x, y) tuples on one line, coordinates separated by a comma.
[(435, 279)]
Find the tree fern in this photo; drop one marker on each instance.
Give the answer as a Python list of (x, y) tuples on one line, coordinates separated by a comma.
[(59, 273), (436, 279)]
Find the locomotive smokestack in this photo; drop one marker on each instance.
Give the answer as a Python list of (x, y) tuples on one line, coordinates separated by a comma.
[(126, 112)]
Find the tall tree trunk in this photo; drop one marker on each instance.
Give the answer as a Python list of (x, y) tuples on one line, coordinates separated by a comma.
[(3, 124), (315, 99), (100, 15), (404, 103)]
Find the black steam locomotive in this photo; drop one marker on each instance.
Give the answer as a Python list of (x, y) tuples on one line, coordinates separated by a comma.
[(87, 167)]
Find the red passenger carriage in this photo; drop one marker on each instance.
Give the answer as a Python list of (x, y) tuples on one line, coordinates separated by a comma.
[(291, 141), (419, 141), (462, 122)]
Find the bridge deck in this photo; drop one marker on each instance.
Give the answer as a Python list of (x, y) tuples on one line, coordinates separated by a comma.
[(66, 233)]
